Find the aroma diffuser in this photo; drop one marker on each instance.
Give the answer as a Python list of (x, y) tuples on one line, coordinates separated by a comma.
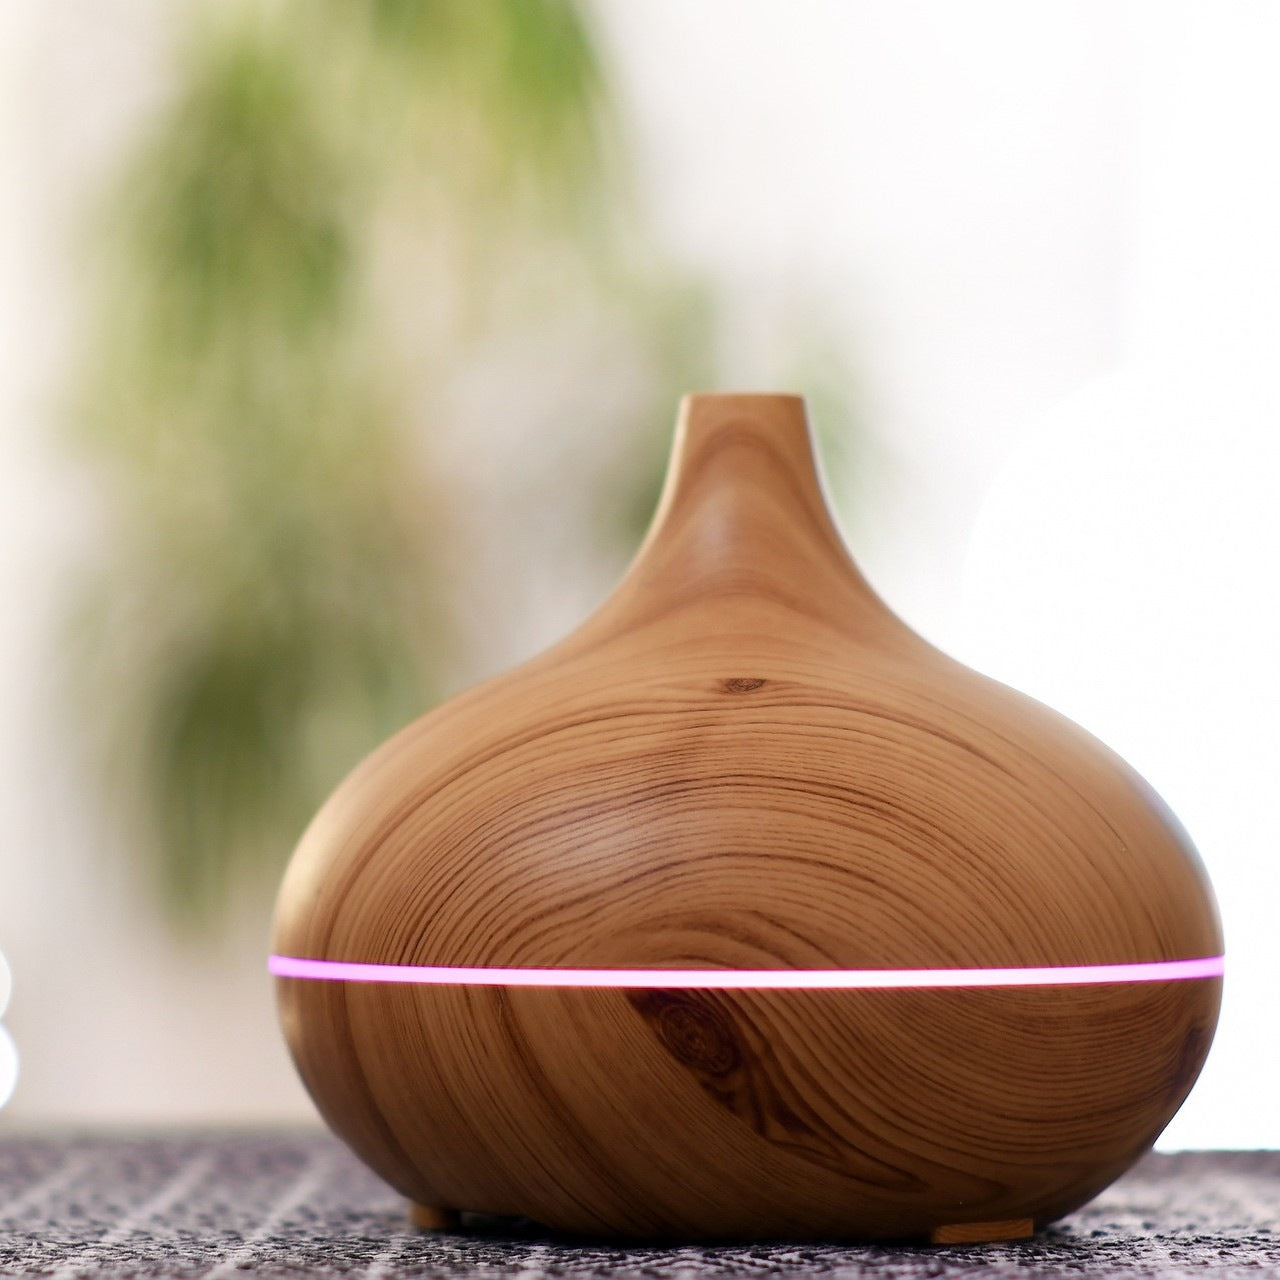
[(743, 912)]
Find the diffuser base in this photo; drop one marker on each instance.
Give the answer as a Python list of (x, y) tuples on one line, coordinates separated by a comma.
[(982, 1232)]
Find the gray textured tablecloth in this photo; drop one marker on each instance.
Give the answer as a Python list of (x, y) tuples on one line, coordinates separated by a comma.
[(293, 1205)]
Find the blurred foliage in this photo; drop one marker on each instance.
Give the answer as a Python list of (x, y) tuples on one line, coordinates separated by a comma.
[(266, 609), (274, 595)]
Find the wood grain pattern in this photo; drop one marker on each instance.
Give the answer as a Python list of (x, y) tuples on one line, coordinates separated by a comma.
[(744, 760), (983, 1232)]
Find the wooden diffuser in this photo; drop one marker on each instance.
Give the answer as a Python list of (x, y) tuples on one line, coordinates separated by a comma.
[(744, 913)]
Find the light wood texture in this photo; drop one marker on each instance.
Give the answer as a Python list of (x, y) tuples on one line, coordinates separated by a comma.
[(983, 1232), (745, 760)]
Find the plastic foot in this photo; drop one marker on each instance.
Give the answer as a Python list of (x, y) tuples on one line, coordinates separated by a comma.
[(429, 1217), (983, 1232)]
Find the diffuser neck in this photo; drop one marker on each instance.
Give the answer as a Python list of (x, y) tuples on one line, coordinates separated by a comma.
[(743, 517)]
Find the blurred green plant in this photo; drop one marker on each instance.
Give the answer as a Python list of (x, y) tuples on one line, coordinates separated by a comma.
[(274, 592), (268, 604)]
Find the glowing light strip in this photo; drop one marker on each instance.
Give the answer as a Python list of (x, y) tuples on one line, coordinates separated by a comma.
[(764, 979)]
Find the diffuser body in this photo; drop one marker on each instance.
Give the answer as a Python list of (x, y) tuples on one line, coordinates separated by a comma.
[(744, 763)]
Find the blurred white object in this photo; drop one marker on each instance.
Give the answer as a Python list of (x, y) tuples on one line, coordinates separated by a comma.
[(8, 1050), (8, 1066)]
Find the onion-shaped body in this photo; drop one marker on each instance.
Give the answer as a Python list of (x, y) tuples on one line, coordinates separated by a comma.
[(743, 761)]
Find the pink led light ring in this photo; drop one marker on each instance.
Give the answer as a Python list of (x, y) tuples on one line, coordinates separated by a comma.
[(751, 979)]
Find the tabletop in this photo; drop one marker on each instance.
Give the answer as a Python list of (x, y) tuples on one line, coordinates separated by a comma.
[(298, 1204)]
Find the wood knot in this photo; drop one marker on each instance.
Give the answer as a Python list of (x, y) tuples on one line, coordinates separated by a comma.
[(741, 684), (693, 1031)]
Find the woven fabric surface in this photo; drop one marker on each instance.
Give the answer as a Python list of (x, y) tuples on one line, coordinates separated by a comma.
[(299, 1205)]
